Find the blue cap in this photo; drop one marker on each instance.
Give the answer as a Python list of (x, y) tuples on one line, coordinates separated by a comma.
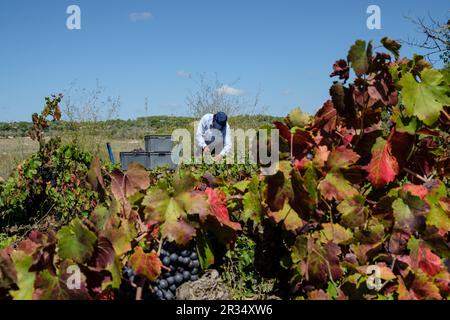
[(220, 120)]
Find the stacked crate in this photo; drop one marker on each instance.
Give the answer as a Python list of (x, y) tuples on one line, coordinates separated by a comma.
[(158, 152)]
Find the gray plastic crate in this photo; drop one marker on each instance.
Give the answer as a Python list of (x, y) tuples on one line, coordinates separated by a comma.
[(139, 157), (158, 143), (159, 159)]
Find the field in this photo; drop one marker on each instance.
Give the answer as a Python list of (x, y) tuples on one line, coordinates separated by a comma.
[(16, 149), (16, 145), (357, 208)]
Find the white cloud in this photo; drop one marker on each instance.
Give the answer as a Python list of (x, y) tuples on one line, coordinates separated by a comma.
[(140, 16), (183, 74), (229, 91)]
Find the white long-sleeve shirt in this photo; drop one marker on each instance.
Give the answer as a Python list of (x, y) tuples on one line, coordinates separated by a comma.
[(204, 133)]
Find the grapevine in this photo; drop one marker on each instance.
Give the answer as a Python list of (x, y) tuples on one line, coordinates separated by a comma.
[(361, 185)]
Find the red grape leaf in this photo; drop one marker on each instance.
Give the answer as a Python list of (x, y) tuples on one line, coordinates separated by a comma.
[(422, 288), (416, 190), (178, 230), (51, 287), (401, 143), (8, 273), (385, 272), (27, 246), (104, 253), (383, 168), (126, 184), (422, 257), (353, 212), (298, 141), (392, 46), (341, 157), (398, 242), (321, 156), (326, 117), (284, 131), (94, 175), (364, 251), (217, 203), (323, 261), (335, 186), (145, 265), (318, 295), (341, 69), (279, 187)]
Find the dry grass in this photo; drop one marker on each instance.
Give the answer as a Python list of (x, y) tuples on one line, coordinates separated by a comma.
[(15, 150)]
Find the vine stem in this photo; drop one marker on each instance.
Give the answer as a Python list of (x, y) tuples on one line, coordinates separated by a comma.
[(160, 245), (236, 197), (142, 236), (415, 175), (446, 114), (139, 289)]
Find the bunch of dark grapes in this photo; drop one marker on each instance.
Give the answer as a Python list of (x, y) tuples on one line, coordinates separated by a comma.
[(48, 175), (182, 266), (127, 290)]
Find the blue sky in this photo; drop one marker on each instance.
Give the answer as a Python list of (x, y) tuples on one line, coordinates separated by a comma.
[(142, 48)]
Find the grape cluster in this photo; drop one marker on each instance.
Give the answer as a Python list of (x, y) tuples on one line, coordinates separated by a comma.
[(184, 266), (48, 175), (127, 290)]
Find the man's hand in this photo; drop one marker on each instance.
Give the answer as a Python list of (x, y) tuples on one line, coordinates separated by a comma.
[(218, 158), (206, 150)]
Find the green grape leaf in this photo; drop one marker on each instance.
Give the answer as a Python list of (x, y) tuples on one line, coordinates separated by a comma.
[(242, 186), (76, 242), (427, 98), (357, 56), (409, 214), (289, 218), (335, 233), (297, 118), (25, 278), (252, 208), (439, 213), (353, 212), (205, 251), (120, 233), (335, 186)]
